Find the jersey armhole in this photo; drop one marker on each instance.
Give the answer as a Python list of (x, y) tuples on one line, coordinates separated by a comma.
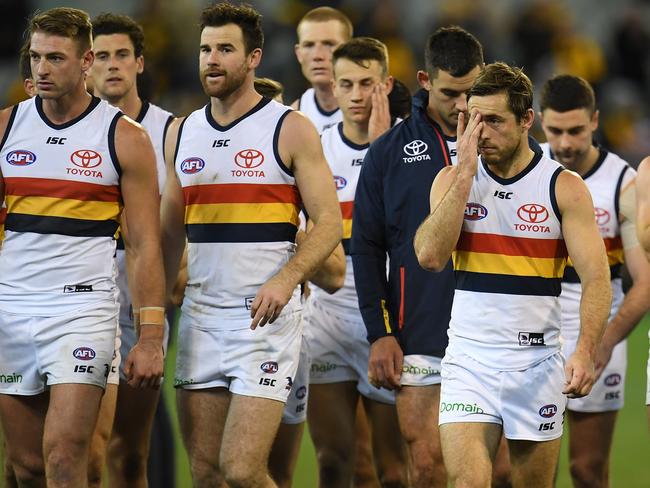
[(111, 143), (170, 119), (276, 139), (10, 123), (552, 194), (178, 140), (617, 193)]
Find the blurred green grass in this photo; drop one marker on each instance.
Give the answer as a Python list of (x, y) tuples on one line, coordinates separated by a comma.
[(630, 453)]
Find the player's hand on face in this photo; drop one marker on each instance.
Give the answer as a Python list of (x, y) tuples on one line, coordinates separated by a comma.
[(468, 132), (145, 363), (385, 363), (379, 114), (580, 375), (270, 300)]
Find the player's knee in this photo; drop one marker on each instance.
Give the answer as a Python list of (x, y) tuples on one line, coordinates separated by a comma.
[(205, 472), (28, 470), (589, 472), (240, 474), (334, 464), (95, 469)]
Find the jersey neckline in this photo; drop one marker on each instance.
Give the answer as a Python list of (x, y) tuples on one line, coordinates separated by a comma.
[(38, 101), (321, 109), (143, 111), (222, 128), (537, 156), (348, 142)]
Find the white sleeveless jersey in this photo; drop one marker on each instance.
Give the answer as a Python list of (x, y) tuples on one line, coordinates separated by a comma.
[(509, 261), (322, 119), (155, 120), (605, 180), (241, 207), (345, 159), (63, 206)]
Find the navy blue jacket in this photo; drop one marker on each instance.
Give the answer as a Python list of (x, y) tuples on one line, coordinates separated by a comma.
[(391, 201)]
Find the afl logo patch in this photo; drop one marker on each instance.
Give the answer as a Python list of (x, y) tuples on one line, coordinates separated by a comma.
[(340, 182), (613, 379), (475, 211), (192, 165), (86, 158), (548, 411), (269, 367), (249, 158), (21, 157), (84, 353)]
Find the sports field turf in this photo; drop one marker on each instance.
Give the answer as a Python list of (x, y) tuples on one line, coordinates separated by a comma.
[(630, 453)]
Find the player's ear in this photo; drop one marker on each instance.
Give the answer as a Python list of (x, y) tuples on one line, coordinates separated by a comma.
[(388, 84), (424, 80), (140, 62)]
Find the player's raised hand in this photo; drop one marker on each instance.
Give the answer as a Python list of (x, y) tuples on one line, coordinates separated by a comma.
[(385, 363), (467, 135), (145, 363), (270, 300), (580, 375), (379, 113)]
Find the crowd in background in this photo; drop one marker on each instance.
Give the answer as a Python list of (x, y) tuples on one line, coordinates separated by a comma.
[(608, 45)]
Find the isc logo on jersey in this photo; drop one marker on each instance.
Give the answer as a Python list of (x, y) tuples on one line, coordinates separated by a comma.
[(21, 157), (192, 165), (248, 160), (533, 216)]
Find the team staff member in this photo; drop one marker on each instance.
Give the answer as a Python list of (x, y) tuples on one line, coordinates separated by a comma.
[(569, 119), (63, 220), (237, 170), (406, 316), (511, 219), (119, 44)]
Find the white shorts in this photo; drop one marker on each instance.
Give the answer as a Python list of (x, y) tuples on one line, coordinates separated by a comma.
[(128, 339), (114, 373), (421, 370), (259, 363), (73, 348), (295, 411), (529, 404), (339, 350), (608, 392)]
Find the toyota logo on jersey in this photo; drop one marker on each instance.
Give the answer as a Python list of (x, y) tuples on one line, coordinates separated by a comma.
[(86, 158), (602, 216), (533, 213), (249, 158), (416, 147)]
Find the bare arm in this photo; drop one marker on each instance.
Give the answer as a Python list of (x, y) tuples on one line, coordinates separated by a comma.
[(587, 252), (330, 275), (637, 299), (141, 209), (5, 114), (437, 236), (643, 204), (300, 148), (172, 212)]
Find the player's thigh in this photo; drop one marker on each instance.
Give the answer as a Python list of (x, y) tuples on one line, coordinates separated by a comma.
[(250, 428), (202, 415), (534, 463), (104, 426), (134, 416), (72, 415), (590, 436), (284, 453), (331, 414), (417, 410), (23, 421), (469, 449)]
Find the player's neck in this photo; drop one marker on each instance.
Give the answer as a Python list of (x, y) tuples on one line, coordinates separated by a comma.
[(517, 163), (435, 116), (356, 132), (130, 104), (228, 109), (325, 97), (583, 166), (67, 107)]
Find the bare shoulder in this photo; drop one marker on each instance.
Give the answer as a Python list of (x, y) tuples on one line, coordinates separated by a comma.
[(296, 104), (128, 131), (298, 136), (5, 116), (571, 190), (643, 171)]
